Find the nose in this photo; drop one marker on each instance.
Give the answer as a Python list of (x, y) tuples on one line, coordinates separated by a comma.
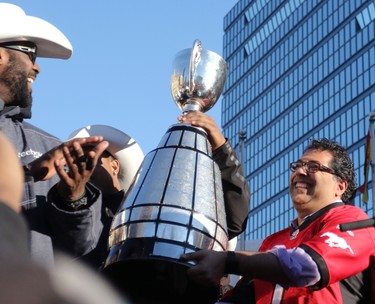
[(301, 170), (36, 68)]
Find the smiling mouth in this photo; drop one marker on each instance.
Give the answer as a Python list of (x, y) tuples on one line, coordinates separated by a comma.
[(301, 185), (30, 80)]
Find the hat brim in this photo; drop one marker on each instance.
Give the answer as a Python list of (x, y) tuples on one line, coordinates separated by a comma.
[(15, 25), (123, 147)]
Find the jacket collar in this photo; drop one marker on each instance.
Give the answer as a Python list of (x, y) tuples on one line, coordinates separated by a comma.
[(14, 112)]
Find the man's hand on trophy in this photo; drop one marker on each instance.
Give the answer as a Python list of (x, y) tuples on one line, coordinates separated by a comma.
[(206, 122)]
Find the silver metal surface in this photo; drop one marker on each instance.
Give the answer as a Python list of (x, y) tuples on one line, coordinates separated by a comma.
[(177, 199), (198, 78), (176, 204)]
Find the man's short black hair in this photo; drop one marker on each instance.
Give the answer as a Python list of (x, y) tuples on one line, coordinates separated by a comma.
[(341, 163)]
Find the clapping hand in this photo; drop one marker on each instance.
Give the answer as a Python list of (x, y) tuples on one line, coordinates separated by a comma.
[(75, 170), (43, 168)]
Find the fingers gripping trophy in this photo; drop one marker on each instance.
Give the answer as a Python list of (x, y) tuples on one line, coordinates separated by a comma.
[(176, 204)]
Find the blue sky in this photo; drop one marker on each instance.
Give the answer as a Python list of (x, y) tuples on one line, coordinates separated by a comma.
[(119, 73)]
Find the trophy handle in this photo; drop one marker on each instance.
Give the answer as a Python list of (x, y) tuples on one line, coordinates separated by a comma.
[(195, 57)]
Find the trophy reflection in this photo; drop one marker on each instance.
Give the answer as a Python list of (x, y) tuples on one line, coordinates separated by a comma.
[(176, 203), (198, 78)]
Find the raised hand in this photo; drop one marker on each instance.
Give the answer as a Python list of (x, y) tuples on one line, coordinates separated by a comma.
[(43, 168), (76, 169), (206, 122)]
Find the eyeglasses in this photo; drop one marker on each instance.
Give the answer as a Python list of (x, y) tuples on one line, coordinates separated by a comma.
[(311, 167), (30, 51)]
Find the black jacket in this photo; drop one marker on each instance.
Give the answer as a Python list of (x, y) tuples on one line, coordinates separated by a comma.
[(50, 227), (235, 187)]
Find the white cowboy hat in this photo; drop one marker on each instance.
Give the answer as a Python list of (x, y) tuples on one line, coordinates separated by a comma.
[(15, 25), (124, 148)]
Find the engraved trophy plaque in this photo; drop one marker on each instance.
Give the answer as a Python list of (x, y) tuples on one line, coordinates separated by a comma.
[(176, 204)]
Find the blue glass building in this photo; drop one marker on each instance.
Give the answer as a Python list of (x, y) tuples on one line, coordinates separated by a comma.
[(297, 70)]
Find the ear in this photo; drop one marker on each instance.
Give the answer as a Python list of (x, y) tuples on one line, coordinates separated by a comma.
[(115, 166), (3, 55), (341, 187)]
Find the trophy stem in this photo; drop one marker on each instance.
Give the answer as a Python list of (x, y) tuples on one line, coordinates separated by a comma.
[(191, 105)]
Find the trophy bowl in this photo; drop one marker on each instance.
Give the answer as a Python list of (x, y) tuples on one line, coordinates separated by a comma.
[(198, 78)]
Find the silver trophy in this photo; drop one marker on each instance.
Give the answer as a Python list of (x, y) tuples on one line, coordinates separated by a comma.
[(176, 204), (198, 78)]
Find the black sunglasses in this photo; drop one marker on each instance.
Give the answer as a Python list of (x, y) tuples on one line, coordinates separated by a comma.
[(31, 51)]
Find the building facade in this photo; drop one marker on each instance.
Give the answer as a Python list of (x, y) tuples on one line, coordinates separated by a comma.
[(297, 70)]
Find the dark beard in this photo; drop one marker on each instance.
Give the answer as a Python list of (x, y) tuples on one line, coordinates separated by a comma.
[(16, 81)]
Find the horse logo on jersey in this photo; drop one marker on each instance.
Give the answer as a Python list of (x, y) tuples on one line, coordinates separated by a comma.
[(335, 241), (294, 234)]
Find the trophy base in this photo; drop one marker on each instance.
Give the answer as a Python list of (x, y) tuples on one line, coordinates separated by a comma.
[(157, 280)]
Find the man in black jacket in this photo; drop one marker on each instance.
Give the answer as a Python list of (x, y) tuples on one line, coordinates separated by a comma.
[(22, 39), (21, 279), (106, 178), (235, 187)]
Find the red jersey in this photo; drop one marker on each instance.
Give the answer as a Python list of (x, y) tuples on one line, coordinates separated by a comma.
[(341, 258)]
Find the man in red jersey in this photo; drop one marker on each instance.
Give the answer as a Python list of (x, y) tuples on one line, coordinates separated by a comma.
[(312, 261)]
